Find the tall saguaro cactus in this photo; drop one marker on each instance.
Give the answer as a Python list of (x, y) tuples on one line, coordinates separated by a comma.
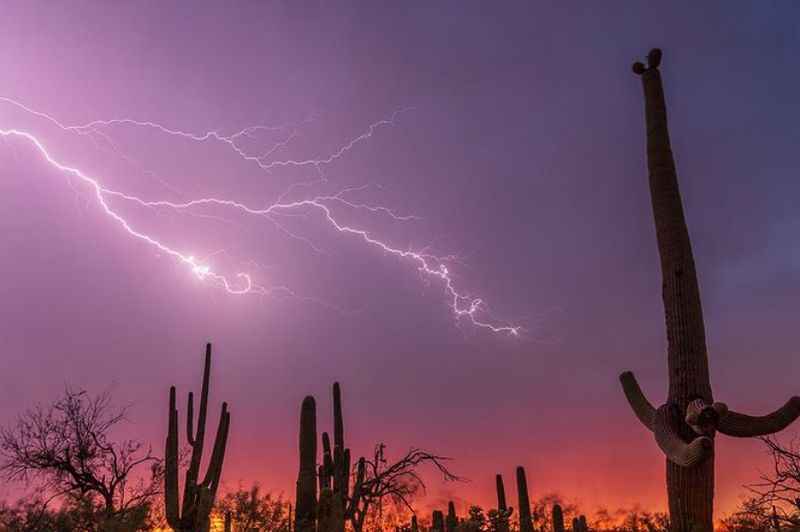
[(198, 497), (525, 519), (306, 497), (686, 424)]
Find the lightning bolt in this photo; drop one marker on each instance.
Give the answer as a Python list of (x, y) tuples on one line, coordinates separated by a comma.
[(462, 305)]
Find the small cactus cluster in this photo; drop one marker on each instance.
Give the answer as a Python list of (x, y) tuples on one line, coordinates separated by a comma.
[(324, 500), (500, 517), (336, 502)]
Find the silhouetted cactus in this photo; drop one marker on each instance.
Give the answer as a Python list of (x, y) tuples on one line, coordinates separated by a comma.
[(437, 522), (306, 497), (335, 472), (525, 519), (414, 524), (198, 497), (684, 426), (336, 503), (451, 522), (336, 468), (503, 511), (558, 519), (501, 493)]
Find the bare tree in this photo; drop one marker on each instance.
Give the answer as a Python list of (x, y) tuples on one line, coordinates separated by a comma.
[(66, 448), (777, 493), (751, 516), (378, 481)]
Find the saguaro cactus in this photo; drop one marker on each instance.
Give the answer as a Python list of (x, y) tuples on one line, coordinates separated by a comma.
[(198, 497), (525, 519), (437, 522), (337, 502), (503, 511), (451, 522), (684, 426), (335, 471), (306, 497), (558, 519)]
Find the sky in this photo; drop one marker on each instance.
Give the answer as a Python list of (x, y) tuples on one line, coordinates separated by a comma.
[(506, 140)]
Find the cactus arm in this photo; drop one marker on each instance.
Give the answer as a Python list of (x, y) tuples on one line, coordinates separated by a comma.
[(193, 471), (744, 426), (171, 502), (355, 499), (346, 472), (704, 418), (679, 452), (214, 471), (190, 419), (525, 518), (322, 478), (340, 470), (643, 409), (338, 420), (501, 493), (327, 460)]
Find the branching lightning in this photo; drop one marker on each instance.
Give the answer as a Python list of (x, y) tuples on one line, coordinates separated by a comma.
[(431, 266)]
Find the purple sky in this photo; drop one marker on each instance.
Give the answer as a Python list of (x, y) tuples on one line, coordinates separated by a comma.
[(522, 153)]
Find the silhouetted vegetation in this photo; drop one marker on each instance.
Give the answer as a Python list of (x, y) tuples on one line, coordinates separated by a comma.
[(65, 452), (375, 481)]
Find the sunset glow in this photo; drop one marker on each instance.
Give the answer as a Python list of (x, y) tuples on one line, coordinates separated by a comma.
[(445, 208)]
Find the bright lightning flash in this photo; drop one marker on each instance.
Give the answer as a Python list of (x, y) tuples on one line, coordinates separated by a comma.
[(462, 305)]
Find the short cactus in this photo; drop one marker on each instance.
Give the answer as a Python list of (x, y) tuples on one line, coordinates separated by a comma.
[(558, 518), (437, 522)]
